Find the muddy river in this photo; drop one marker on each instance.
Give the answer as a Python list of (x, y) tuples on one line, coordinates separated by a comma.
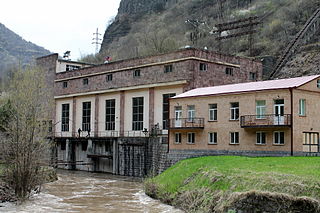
[(88, 192)]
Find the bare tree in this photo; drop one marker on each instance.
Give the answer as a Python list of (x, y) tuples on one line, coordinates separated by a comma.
[(24, 114)]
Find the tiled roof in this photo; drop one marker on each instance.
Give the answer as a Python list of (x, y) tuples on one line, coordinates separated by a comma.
[(248, 87)]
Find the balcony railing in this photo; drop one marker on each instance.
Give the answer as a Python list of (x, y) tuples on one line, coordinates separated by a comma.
[(270, 120), (186, 123)]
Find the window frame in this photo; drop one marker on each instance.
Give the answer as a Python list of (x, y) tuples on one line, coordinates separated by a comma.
[(137, 113), (109, 77), (318, 83), (191, 110), (213, 112), (178, 137), (229, 71), (279, 138), (165, 109), (302, 107), (261, 110), (260, 137), (252, 76), (168, 68), (213, 138), (86, 116), (234, 111), (65, 117), (203, 67), (110, 114), (234, 138), (192, 136), (136, 73), (85, 81), (65, 84)]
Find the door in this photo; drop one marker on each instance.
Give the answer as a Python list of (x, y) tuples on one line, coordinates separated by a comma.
[(178, 117), (279, 112)]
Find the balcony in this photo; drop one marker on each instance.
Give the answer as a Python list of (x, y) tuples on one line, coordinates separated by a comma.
[(186, 123), (271, 120)]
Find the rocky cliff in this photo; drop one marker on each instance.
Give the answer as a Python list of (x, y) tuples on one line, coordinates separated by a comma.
[(145, 27)]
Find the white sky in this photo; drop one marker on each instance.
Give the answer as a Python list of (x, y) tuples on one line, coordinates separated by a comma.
[(59, 25)]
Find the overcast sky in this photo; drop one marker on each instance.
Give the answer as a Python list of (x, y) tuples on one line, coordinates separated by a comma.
[(59, 25)]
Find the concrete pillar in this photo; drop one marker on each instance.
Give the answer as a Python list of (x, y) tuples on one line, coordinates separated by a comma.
[(68, 154), (96, 116), (115, 161), (151, 108), (122, 101), (90, 151), (74, 112)]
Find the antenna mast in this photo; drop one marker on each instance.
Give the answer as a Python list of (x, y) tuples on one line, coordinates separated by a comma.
[(96, 40)]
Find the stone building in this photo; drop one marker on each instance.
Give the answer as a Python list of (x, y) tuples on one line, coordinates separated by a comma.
[(266, 118), (106, 115)]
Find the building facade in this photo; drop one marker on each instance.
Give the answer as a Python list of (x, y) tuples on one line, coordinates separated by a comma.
[(267, 118), (102, 110)]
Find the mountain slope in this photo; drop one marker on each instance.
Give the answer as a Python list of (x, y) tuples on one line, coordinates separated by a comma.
[(149, 27), (15, 50)]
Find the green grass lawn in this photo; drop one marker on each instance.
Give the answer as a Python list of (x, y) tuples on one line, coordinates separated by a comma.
[(296, 176)]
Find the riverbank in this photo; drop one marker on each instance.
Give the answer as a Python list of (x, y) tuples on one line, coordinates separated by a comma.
[(222, 183)]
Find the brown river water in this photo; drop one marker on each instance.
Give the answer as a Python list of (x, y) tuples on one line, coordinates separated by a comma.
[(88, 192)]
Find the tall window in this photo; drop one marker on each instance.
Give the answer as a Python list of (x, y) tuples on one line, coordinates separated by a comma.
[(213, 112), (234, 111), (178, 138), (260, 109), (137, 113), (110, 114), (261, 138), (65, 117), (213, 138), (86, 116), (203, 67), (191, 113), (278, 138), (302, 107), (165, 109), (234, 137), (191, 137)]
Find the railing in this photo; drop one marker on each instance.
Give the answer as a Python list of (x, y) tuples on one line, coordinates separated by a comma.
[(109, 134), (270, 120), (186, 123), (311, 148)]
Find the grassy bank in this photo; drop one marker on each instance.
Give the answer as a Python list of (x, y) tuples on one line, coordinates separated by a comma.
[(217, 183)]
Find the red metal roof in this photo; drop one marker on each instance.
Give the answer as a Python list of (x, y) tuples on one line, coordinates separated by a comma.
[(249, 87)]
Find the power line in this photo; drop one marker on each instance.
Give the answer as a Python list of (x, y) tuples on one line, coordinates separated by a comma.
[(96, 40)]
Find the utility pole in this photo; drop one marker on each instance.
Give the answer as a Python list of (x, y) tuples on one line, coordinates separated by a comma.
[(96, 40), (194, 36)]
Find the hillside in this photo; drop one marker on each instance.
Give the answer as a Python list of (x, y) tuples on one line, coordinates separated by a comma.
[(150, 27), (15, 50)]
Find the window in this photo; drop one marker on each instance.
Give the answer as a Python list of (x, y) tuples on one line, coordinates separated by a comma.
[(191, 113), (229, 71), (168, 68), (252, 76), (178, 138), (63, 145), (85, 81), (234, 137), (234, 111), (203, 67), (137, 113), (84, 145), (86, 116), (261, 138), (213, 112), (165, 109), (318, 83), (72, 67), (65, 117), (302, 107), (213, 138), (109, 77), (136, 73), (65, 84), (260, 109), (191, 137), (110, 114), (278, 138)]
